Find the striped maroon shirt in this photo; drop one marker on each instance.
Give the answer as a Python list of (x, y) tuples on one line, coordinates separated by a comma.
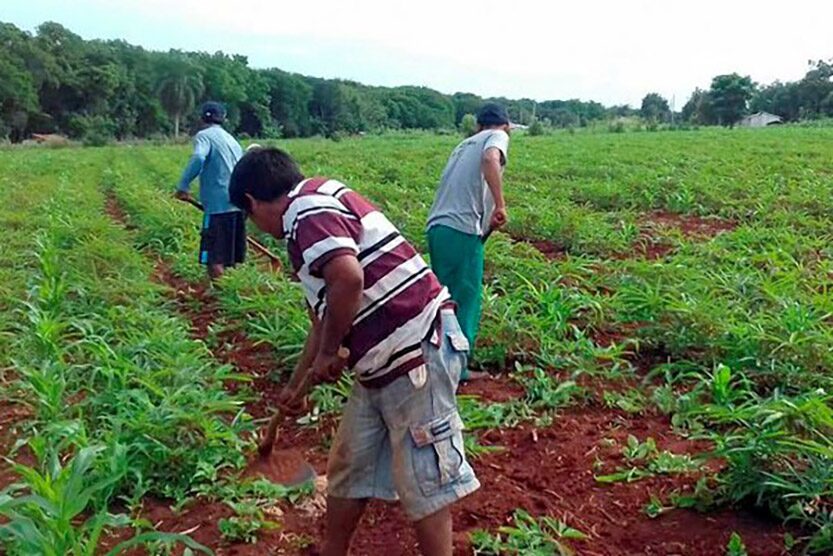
[(401, 295)]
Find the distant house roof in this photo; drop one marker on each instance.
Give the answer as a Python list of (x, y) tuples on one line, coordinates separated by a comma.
[(760, 119)]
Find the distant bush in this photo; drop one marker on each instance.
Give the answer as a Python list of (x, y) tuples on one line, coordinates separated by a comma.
[(617, 126), (96, 138), (468, 125), (536, 128)]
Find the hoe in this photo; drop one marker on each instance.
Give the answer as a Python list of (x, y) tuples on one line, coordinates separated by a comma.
[(287, 467)]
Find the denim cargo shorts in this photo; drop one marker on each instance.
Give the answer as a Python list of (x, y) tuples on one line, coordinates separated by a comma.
[(404, 441)]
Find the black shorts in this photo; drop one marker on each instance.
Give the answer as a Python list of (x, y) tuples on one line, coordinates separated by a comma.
[(223, 239)]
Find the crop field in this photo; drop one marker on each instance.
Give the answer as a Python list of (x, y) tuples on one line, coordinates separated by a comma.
[(658, 320)]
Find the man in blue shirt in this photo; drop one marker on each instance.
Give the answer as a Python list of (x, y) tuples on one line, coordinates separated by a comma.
[(223, 241)]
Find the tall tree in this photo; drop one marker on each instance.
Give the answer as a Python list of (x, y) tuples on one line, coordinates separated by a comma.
[(815, 88), (465, 103), (730, 96), (655, 108), (699, 109), (782, 99), (289, 98), (180, 87)]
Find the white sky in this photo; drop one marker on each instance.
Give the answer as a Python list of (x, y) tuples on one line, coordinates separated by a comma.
[(606, 50)]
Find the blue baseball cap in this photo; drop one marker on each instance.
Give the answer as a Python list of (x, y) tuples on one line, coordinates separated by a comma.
[(492, 114), (213, 112)]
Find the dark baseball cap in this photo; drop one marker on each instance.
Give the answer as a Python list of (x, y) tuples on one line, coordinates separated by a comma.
[(492, 114), (213, 112)]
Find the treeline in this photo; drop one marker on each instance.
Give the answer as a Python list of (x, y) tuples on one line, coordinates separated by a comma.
[(53, 81), (732, 96)]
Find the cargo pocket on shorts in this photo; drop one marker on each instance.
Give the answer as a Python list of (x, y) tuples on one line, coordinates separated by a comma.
[(457, 358), (459, 342), (438, 456)]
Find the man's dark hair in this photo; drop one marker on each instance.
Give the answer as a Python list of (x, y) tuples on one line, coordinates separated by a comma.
[(265, 174)]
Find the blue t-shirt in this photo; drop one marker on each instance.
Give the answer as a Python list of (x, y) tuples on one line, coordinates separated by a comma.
[(215, 154)]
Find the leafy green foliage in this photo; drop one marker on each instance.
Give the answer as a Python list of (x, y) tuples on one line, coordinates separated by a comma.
[(544, 392), (647, 460), (655, 108), (245, 524), (468, 125), (62, 510), (328, 398), (55, 81), (543, 536), (250, 498), (113, 384), (536, 128), (735, 546)]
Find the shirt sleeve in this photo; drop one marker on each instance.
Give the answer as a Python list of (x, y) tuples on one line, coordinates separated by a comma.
[(201, 149), (323, 235), (499, 140)]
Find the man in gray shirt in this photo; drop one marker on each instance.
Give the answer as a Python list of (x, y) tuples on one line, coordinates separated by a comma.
[(468, 206)]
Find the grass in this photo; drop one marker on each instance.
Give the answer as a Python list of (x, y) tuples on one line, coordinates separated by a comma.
[(729, 335)]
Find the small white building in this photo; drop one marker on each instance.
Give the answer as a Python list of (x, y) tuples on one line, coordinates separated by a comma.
[(760, 119)]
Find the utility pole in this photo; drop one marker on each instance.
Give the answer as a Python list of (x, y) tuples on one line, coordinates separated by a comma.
[(673, 108)]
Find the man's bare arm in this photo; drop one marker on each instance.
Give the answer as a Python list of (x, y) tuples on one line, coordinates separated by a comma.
[(492, 166), (345, 283), (307, 355)]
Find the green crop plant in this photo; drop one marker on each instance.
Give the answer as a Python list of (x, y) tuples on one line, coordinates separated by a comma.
[(245, 524), (60, 511), (328, 398), (735, 547), (544, 536), (629, 401), (106, 365), (545, 392), (479, 415), (647, 460)]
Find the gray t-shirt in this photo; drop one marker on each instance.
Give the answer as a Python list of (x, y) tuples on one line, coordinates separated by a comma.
[(464, 201)]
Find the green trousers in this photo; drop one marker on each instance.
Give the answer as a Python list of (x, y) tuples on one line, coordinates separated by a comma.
[(457, 260)]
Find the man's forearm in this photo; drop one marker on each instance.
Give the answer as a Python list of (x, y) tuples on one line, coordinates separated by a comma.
[(308, 354), (494, 179), (192, 170), (343, 301)]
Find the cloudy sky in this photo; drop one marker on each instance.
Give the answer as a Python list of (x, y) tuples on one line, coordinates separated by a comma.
[(613, 51)]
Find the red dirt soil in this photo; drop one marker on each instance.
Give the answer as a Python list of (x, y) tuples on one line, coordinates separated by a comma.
[(11, 414), (548, 249), (545, 471), (286, 467), (496, 388), (690, 225), (696, 228), (551, 472), (116, 212), (648, 245)]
